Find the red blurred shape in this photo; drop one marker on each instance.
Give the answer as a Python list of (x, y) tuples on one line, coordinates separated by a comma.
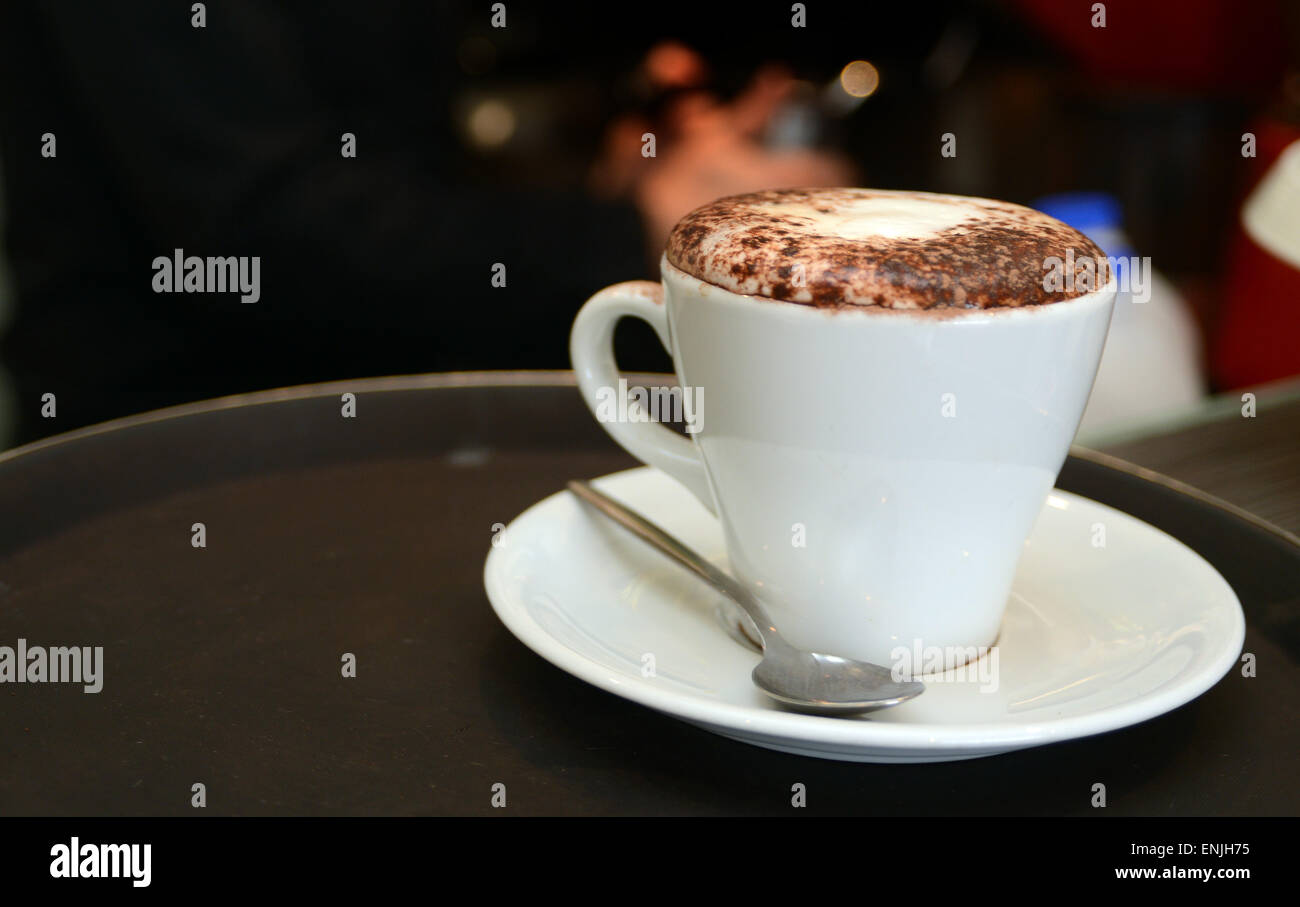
[(1187, 45)]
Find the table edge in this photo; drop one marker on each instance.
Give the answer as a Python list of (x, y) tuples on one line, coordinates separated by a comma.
[(544, 378)]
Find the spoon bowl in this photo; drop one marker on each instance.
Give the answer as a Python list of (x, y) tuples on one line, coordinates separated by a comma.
[(828, 684)]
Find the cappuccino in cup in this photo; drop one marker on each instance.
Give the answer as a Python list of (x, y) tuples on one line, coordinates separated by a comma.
[(893, 382)]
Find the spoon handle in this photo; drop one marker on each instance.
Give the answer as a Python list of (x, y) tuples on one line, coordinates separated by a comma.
[(658, 538)]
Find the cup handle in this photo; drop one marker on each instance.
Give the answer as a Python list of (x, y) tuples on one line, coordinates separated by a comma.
[(591, 347)]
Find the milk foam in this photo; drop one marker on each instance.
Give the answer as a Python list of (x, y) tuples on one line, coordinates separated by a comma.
[(874, 247), (892, 217)]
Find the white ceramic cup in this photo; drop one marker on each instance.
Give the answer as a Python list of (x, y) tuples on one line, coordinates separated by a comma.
[(875, 472)]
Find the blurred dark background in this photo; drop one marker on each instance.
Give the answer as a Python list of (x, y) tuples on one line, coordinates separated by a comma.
[(478, 145)]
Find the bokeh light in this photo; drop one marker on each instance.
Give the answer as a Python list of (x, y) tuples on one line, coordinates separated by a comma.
[(860, 79)]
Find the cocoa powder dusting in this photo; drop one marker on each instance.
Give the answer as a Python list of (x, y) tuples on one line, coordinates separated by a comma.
[(989, 254)]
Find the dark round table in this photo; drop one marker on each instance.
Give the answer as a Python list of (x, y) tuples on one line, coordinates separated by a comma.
[(328, 535)]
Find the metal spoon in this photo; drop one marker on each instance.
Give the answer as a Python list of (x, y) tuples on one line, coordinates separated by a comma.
[(805, 681)]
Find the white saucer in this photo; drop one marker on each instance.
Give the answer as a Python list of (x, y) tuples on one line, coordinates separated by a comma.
[(1094, 638)]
